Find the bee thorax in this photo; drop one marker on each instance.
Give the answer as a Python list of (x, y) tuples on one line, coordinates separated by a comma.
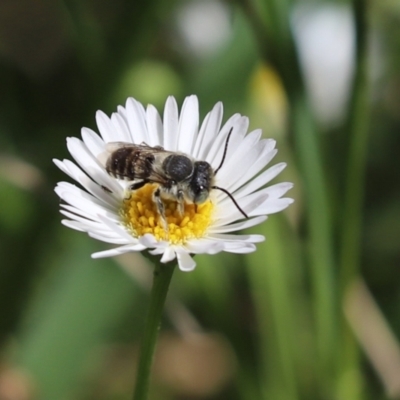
[(178, 167)]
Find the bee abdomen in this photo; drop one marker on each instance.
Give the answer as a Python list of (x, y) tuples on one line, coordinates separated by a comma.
[(127, 163)]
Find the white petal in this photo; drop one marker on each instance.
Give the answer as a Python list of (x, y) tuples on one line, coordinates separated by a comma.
[(228, 212), (87, 224), (238, 226), (204, 246), (116, 228), (260, 180), (64, 189), (240, 153), (149, 241), (188, 124), (92, 141), (271, 207), (240, 162), (136, 118), (160, 249), (239, 125), (73, 225), (81, 212), (91, 165), (85, 203), (108, 238), (278, 190), (185, 261), (100, 193), (237, 175), (118, 250), (122, 112), (121, 130), (105, 127), (168, 255), (208, 132), (240, 249), (257, 198), (60, 164), (238, 238), (154, 126), (170, 125)]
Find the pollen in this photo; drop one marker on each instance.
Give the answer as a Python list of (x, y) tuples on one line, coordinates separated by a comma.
[(140, 215)]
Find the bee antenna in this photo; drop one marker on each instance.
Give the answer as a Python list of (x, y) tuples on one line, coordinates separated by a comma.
[(232, 198), (225, 150)]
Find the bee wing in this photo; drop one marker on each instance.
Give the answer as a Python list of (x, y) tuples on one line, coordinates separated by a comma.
[(113, 146), (133, 162), (147, 165), (110, 148)]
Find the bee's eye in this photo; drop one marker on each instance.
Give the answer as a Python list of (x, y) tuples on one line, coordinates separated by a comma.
[(201, 195), (201, 181)]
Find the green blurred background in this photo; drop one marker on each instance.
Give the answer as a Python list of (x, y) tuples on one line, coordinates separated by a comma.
[(315, 312)]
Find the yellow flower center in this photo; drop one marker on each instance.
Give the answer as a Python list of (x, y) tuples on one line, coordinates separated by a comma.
[(141, 216)]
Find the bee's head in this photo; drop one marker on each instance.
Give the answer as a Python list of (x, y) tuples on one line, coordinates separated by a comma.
[(200, 185)]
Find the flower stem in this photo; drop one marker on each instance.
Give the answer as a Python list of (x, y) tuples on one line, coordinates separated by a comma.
[(161, 280)]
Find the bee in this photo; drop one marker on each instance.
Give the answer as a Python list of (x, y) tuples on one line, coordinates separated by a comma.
[(179, 176)]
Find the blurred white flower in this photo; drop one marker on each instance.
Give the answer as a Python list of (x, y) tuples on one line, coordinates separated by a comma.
[(204, 26), (108, 210), (325, 38)]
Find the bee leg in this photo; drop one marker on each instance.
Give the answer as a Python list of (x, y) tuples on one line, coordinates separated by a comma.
[(135, 186), (181, 204), (161, 209)]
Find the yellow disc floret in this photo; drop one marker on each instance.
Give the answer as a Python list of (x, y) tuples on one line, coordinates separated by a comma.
[(141, 216)]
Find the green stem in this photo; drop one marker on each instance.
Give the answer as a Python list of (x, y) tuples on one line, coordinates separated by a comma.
[(277, 48), (276, 304), (322, 260), (161, 280), (353, 201), (358, 133)]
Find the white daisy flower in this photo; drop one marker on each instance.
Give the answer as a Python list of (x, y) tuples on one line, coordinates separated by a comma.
[(109, 210)]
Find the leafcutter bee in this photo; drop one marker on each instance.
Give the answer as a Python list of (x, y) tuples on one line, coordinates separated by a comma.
[(178, 175)]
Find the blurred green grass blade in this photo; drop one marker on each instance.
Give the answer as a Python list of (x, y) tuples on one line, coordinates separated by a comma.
[(81, 305), (320, 235), (358, 143), (270, 22), (277, 47), (277, 306), (351, 228)]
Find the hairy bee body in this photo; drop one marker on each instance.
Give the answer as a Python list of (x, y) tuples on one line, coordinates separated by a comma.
[(179, 176), (130, 162)]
